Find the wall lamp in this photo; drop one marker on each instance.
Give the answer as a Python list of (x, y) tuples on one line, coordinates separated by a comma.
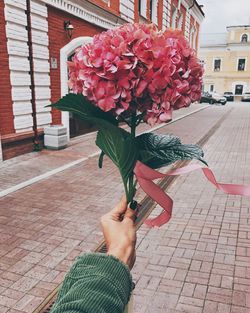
[(68, 27)]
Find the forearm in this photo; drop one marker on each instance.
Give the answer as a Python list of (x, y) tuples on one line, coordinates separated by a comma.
[(95, 283)]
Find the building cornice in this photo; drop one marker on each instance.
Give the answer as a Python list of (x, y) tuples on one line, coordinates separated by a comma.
[(239, 26), (193, 6), (226, 48), (88, 12)]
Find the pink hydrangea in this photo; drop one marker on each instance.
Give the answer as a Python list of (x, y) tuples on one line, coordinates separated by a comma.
[(136, 68)]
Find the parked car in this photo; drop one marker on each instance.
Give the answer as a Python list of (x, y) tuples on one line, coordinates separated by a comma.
[(229, 96), (245, 96), (213, 98), (219, 98)]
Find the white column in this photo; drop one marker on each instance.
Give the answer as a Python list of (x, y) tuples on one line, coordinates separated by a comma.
[(39, 15), (187, 26), (17, 39)]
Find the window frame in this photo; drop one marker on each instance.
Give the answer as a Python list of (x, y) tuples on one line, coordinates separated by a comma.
[(140, 7), (237, 64), (243, 35), (153, 6), (242, 91), (220, 68)]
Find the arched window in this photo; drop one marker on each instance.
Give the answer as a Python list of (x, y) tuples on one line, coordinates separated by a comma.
[(244, 38)]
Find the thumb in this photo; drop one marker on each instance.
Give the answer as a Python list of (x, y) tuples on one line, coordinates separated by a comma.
[(121, 206)]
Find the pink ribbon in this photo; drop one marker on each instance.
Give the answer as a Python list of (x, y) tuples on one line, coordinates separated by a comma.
[(145, 176)]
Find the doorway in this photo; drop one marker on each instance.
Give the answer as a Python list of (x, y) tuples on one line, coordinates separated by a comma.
[(238, 89), (75, 127)]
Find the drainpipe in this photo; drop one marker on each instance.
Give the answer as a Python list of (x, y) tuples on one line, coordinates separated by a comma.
[(31, 62)]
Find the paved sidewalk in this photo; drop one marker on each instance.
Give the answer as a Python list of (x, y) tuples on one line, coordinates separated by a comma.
[(199, 261), (46, 225), (28, 166)]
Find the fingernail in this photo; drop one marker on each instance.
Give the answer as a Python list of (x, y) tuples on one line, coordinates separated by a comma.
[(133, 205)]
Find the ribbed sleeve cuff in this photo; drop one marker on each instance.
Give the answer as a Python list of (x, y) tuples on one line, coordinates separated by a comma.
[(112, 269)]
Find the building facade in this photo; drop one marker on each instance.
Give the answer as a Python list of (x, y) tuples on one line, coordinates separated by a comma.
[(226, 60), (38, 37)]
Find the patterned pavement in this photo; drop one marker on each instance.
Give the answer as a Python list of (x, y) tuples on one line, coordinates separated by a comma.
[(199, 262), (196, 263)]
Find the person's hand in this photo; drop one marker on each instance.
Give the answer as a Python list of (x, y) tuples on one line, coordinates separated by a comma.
[(119, 232)]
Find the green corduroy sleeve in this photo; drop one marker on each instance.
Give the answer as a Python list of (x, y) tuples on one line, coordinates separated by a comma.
[(96, 283)]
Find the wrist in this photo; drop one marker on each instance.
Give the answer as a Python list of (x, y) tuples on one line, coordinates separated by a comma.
[(121, 253)]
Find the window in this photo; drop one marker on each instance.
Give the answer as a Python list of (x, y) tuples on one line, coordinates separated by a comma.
[(241, 64), (193, 36), (238, 89), (217, 65), (174, 17), (211, 88), (202, 63), (153, 11), (180, 22), (244, 38), (143, 8)]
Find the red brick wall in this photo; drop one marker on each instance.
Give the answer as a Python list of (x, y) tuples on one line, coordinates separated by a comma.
[(160, 13), (113, 8), (58, 39), (136, 10), (6, 112)]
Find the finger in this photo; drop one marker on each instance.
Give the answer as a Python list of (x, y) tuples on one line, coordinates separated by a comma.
[(121, 206)]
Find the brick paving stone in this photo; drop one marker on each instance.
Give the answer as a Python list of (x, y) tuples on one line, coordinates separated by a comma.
[(3, 309), (13, 294), (198, 262), (215, 228)]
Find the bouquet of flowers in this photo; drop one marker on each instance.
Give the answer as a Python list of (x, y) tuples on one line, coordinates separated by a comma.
[(134, 74)]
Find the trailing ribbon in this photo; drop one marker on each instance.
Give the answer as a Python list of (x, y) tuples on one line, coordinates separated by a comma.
[(145, 176)]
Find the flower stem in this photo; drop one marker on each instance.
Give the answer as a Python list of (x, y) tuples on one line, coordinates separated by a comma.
[(133, 124)]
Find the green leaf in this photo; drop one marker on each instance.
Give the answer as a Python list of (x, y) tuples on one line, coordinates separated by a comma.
[(84, 109), (161, 150), (120, 147), (115, 142), (100, 161)]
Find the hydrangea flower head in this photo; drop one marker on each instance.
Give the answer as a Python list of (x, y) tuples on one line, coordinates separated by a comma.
[(135, 67)]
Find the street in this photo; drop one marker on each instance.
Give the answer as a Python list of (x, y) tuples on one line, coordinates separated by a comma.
[(199, 262)]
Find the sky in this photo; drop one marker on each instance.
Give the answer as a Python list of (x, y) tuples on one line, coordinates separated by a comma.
[(222, 13)]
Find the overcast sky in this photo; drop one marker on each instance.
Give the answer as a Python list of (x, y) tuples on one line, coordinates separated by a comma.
[(222, 13)]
